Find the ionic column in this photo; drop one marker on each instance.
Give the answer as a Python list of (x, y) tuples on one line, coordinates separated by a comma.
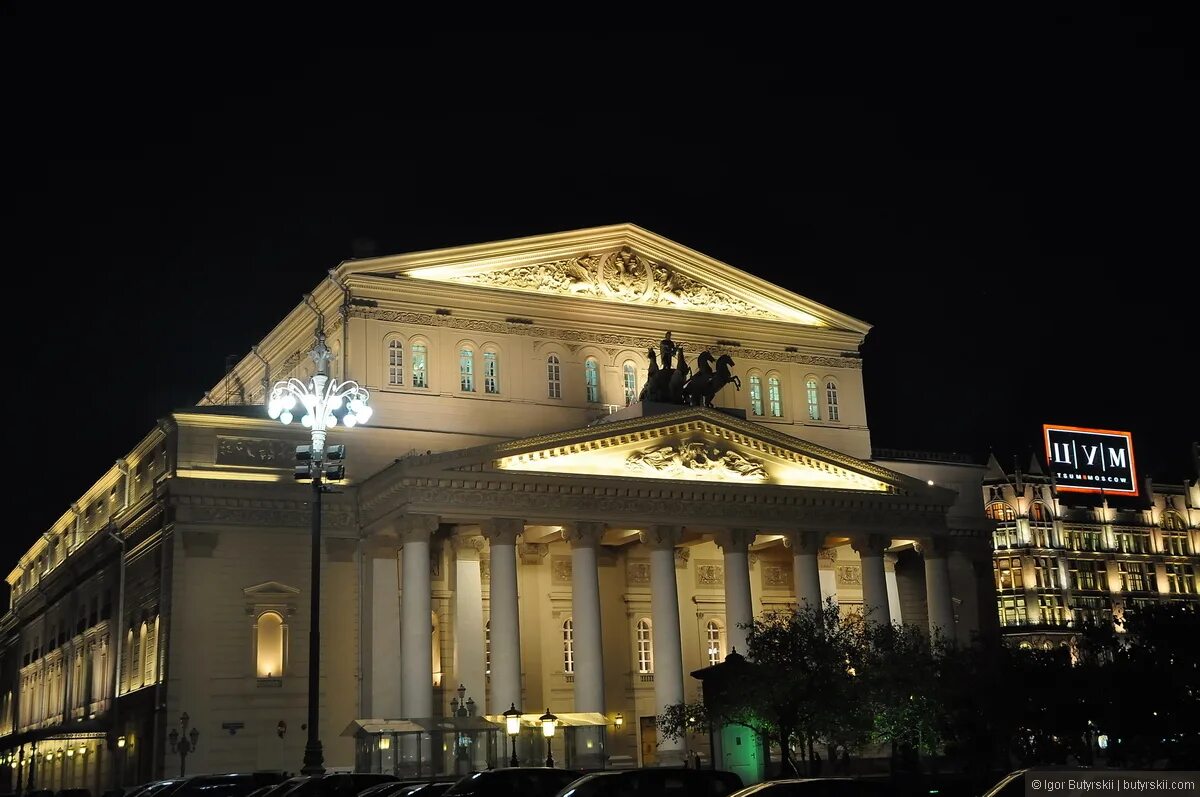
[(585, 613), (668, 650), (870, 548), (734, 544), (805, 575), (937, 587), (506, 629), (416, 609), (584, 538), (469, 664)]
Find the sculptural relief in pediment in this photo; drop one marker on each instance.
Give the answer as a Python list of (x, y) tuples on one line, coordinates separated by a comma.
[(622, 276)]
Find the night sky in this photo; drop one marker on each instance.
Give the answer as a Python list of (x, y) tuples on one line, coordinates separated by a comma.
[(1011, 202)]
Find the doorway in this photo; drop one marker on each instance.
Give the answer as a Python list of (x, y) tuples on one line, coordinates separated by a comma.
[(649, 734)]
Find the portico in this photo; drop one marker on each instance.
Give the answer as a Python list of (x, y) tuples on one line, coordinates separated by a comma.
[(609, 517)]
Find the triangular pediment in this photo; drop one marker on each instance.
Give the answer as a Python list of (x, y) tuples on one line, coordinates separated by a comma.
[(270, 589), (621, 264), (691, 444)]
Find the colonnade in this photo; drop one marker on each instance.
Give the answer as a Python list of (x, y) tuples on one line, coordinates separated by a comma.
[(413, 535)]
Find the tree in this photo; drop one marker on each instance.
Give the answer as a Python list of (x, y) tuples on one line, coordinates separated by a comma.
[(904, 694)]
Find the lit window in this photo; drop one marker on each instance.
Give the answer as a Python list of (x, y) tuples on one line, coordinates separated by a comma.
[(591, 377), (1134, 576), (396, 362), (645, 647), (716, 643), (1008, 573), (491, 373), (831, 401), (774, 398), (150, 655), (419, 374), (553, 377), (756, 402), (568, 633), (814, 405), (466, 370), (629, 372), (1181, 579), (1047, 573), (1000, 511), (270, 645)]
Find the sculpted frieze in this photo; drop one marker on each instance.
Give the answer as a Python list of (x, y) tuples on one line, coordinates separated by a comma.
[(696, 457), (612, 343), (623, 276), (255, 451)]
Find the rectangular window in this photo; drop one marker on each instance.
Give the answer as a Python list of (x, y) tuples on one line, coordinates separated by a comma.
[(1008, 573), (419, 378), (591, 373), (1175, 543), (774, 398), (1047, 573), (491, 373), (1088, 574), (1181, 579), (1089, 611), (1131, 541), (466, 371), (1039, 535), (831, 400), (1012, 610), (1053, 610), (814, 406), (553, 377), (1134, 576)]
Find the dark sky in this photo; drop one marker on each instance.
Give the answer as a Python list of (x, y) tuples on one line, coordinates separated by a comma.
[(1011, 201)]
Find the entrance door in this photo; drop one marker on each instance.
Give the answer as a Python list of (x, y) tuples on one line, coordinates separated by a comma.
[(739, 746), (649, 728)]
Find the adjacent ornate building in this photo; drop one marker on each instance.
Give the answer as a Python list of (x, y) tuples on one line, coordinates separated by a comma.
[(1064, 560), (516, 522)]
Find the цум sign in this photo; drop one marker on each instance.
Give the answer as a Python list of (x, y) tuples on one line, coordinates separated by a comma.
[(1091, 460)]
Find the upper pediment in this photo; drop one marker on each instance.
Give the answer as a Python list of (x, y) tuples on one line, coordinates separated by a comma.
[(622, 264)]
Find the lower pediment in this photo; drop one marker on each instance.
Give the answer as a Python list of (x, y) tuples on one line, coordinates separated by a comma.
[(692, 450)]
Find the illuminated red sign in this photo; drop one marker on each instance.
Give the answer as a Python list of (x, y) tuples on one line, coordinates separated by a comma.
[(1091, 460)]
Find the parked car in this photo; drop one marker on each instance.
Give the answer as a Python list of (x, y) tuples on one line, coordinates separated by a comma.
[(333, 784), (411, 787), (816, 787), (654, 781), (73, 793), (154, 788), (232, 784), (432, 789), (513, 782)]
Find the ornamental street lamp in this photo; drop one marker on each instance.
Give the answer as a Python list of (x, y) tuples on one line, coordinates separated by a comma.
[(548, 721), (183, 743), (323, 401), (512, 724)]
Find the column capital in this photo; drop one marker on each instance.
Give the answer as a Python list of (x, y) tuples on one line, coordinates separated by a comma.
[(415, 528), (734, 540), (803, 542), (932, 547), (467, 546), (869, 544), (502, 530), (660, 537), (583, 534)]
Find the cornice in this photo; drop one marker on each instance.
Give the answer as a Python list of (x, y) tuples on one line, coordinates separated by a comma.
[(240, 511), (639, 343)]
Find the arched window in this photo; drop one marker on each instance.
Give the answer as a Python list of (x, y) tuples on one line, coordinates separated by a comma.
[(716, 642), (420, 373), (466, 370), (553, 377), (831, 401), (591, 378), (137, 667), (1175, 536), (395, 362), (270, 645), (487, 647), (568, 632), (756, 402), (1038, 513), (629, 375), (491, 373), (774, 398), (1000, 511), (814, 404), (645, 647)]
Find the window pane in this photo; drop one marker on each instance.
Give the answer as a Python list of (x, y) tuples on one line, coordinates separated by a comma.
[(814, 408), (396, 362), (591, 376), (418, 366), (756, 398), (466, 370), (630, 378), (773, 396), (553, 377), (831, 401), (491, 373)]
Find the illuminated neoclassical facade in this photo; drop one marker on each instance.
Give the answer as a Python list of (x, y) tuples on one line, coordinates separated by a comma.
[(1065, 561), (515, 520)]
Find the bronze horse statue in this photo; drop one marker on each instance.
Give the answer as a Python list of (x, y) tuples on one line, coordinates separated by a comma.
[(707, 381), (664, 385)]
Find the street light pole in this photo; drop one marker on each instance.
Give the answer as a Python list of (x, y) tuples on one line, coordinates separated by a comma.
[(183, 743), (320, 399)]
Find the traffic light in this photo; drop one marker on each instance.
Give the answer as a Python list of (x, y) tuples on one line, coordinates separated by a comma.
[(335, 468), (303, 471)]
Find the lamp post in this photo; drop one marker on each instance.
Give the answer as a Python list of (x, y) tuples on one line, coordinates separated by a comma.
[(183, 742), (512, 724), (323, 399), (548, 721)]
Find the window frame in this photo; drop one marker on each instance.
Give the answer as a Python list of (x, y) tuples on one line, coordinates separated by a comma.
[(591, 368), (466, 368), (629, 381), (643, 635), (833, 413), (395, 349), (553, 376), (756, 396)]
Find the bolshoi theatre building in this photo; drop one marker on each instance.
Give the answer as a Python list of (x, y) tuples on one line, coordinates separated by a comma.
[(521, 526)]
